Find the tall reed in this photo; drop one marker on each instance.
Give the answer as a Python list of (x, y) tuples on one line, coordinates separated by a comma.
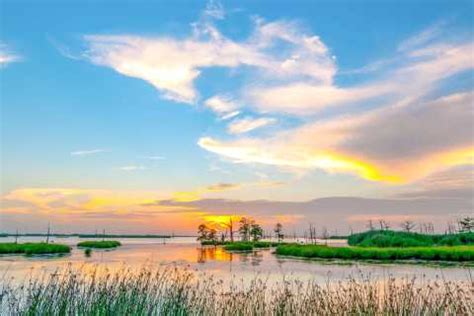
[(177, 291)]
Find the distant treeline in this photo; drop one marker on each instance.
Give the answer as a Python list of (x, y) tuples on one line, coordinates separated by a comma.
[(86, 235), (390, 238)]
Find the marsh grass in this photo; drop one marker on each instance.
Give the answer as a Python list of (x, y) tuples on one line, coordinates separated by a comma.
[(249, 245), (171, 290), (33, 248), (239, 246), (101, 244), (389, 238), (457, 254)]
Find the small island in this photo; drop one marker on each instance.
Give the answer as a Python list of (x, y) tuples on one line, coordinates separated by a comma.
[(99, 244), (388, 245), (40, 248)]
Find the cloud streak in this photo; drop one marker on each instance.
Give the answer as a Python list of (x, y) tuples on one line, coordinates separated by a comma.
[(87, 152), (248, 124)]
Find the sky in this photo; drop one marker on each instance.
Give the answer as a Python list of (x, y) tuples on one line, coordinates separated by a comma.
[(156, 116)]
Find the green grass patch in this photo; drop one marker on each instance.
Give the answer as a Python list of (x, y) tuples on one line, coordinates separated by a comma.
[(102, 244), (249, 245), (33, 248), (239, 246), (388, 238), (458, 253), (265, 244), (213, 243)]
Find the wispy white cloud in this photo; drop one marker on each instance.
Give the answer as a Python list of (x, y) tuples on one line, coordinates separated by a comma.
[(230, 115), (154, 157), (294, 73), (7, 56), (224, 106), (87, 152), (172, 65), (214, 9), (422, 38), (383, 145), (245, 125), (132, 168)]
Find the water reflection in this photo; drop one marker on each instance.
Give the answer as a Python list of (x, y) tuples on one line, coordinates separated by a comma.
[(217, 261), (205, 254)]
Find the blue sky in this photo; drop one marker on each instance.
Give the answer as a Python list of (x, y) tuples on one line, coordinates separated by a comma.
[(142, 96)]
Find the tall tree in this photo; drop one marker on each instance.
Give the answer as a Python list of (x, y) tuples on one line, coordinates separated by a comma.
[(408, 226), (279, 232), (370, 225), (212, 235), (203, 232), (466, 224), (230, 226), (244, 229), (383, 224), (256, 231)]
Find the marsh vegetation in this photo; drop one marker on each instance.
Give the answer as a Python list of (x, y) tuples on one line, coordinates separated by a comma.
[(33, 248), (176, 291), (101, 244), (390, 238), (457, 253)]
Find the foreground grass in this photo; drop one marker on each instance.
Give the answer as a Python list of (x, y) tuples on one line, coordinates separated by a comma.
[(102, 244), (458, 254), (33, 248), (173, 291), (389, 238)]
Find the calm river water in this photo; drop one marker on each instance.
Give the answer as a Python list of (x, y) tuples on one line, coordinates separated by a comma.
[(186, 252)]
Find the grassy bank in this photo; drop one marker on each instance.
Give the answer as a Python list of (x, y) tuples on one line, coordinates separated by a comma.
[(458, 253), (33, 248), (102, 244), (171, 291), (388, 238)]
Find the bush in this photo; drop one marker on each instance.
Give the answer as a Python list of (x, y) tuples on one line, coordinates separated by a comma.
[(99, 244)]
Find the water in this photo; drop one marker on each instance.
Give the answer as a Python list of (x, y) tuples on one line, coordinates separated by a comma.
[(184, 251)]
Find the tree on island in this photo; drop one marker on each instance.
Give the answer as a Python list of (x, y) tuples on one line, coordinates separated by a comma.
[(383, 224), (230, 226), (466, 224), (205, 233), (256, 231), (244, 229), (408, 226), (279, 232)]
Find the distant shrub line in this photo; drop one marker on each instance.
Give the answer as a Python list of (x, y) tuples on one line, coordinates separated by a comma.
[(388, 238)]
